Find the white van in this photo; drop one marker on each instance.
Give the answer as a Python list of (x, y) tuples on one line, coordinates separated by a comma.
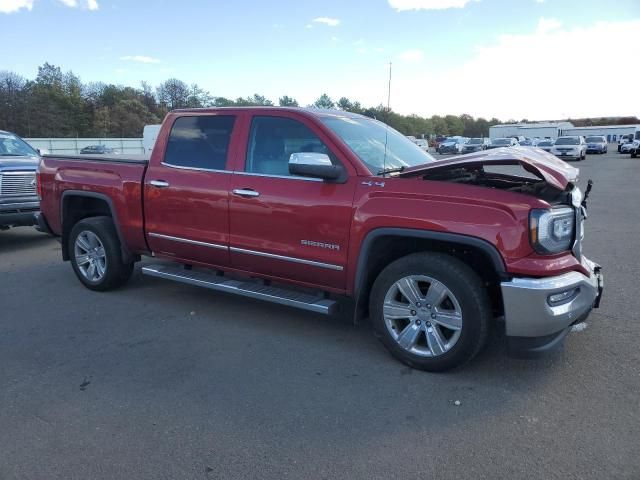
[(149, 135)]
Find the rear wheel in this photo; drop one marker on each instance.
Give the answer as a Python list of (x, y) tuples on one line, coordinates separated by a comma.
[(95, 253), (430, 311)]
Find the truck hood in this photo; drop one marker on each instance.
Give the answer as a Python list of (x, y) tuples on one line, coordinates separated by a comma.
[(542, 164), (19, 163)]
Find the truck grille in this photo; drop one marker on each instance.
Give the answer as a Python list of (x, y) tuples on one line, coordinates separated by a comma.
[(18, 183)]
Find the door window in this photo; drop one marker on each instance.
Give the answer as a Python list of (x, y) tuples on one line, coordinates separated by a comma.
[(274, 139), (200, 142)]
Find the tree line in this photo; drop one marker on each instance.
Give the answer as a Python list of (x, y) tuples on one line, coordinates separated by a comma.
[(58, 104)]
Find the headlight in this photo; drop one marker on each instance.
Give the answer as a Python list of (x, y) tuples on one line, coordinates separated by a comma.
[(552, 231)]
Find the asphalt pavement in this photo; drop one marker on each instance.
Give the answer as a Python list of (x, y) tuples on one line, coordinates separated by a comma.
[(167, 381)]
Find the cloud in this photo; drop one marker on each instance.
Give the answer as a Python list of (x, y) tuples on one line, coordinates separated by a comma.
[(330, 22), (548, 24), (412, 56), (402, 5), (528, 76), (86, 4), (139, 59), (11, 6)]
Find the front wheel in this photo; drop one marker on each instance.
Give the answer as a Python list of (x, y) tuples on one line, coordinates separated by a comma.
[(430, 311), (95, 253)]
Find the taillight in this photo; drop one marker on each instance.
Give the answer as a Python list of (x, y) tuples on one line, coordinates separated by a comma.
[(39, 185)]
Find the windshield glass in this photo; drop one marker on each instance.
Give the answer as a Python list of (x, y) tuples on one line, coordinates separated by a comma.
[(366, 138), (501, 141), (12, 146), (475, 141), (544, 144), (568, 141), (595, 139)]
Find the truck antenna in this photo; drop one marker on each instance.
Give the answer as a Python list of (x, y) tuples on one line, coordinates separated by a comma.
[(386, 136)]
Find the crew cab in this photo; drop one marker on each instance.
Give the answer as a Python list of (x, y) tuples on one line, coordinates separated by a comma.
[(18, 199), (309, 208)]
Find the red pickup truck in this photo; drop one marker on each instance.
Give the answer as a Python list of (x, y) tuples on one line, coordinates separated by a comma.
[(302, 207)]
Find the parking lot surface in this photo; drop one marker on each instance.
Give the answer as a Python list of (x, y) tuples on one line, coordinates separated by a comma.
[(162, 380)]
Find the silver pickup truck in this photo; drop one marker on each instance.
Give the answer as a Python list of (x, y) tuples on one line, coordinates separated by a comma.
[(18, 197)]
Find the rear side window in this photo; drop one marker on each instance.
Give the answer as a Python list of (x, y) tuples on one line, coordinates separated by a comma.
[(200, 142), (274, 139)]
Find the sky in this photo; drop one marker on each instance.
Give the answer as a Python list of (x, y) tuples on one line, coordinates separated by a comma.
[(515, 59)]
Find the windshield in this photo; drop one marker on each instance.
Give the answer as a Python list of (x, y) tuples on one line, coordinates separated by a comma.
[(545, 144), (501, 141), (568, 141), (366, 138), (12, 146), (595, 139), (475, 141)]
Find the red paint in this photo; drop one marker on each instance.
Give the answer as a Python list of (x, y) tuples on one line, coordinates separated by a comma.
[(201, 206)]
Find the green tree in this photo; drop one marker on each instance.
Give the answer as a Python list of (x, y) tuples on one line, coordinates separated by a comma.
[(287, 101), (324, 101)]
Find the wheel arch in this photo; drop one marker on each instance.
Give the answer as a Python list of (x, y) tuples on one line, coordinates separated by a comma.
[(77, 205), (385, 245)]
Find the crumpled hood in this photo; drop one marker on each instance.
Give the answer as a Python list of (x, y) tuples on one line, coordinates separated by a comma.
[(534, 160), (19, 163)]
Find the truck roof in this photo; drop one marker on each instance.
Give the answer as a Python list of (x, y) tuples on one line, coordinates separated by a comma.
[(315, 112)]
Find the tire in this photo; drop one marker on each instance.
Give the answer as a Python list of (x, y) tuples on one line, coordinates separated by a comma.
[(465, 303), (88, 239), (634, 153)]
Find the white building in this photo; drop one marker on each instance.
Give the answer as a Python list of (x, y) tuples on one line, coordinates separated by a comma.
[(611, 132), (541, 130)]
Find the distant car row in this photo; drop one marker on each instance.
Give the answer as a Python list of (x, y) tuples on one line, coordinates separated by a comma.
[(566, 147)]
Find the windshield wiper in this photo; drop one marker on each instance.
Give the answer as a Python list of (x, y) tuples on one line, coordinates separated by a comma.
[(391, 170)]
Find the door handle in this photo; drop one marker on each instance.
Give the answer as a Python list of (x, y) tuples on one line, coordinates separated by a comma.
[(246, 192), (159, 183)]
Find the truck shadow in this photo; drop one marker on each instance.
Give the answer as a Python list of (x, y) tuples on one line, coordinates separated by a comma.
[(22, 238)]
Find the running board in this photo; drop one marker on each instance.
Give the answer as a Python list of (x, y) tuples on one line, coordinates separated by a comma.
[(249, 289)]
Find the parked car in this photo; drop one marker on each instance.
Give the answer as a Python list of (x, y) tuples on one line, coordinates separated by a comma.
[(452, 145), (627, 147), (475, 145), (98, 150), (439, 139), (330, 204), (570, 148), (18, 197), (545, 145), (635, 148), (423, 144), (502, 142), (624, 139), (596, 144)]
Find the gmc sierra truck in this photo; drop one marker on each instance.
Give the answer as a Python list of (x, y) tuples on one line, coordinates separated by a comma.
[(303, 207)]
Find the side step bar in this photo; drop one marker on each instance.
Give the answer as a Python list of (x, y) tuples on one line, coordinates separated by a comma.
[(249, 289)]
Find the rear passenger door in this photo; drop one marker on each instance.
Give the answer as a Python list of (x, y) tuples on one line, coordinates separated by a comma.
[(186, 197), (281, 225)]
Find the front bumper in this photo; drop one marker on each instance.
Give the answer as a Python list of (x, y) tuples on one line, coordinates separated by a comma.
[(18, 213), (567, 156), (528, 309)]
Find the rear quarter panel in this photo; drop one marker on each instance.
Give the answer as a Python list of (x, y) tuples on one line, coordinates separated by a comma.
[(121, 182)]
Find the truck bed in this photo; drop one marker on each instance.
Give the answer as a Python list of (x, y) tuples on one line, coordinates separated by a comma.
[(115, 180)]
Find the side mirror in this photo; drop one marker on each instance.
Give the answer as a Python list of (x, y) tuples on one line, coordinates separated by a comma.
[(317, 165)]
